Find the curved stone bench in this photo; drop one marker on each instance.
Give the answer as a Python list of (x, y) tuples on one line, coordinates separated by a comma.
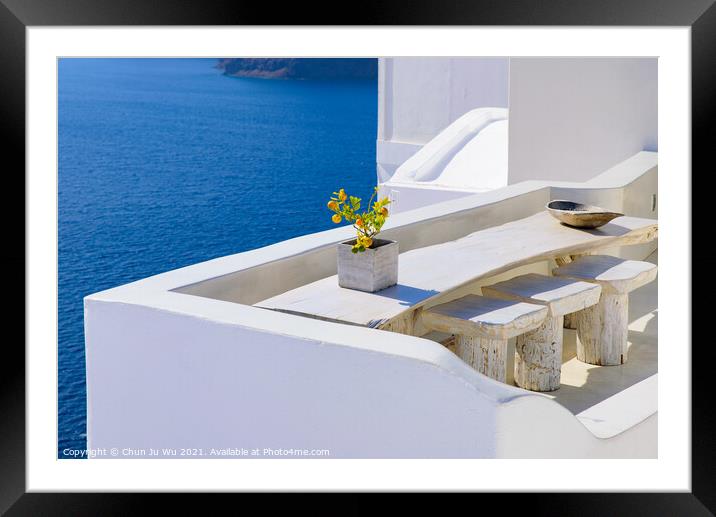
[(482, 327), (602, 329), (538, 353)]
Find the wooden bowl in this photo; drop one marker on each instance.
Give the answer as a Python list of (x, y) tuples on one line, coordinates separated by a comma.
[(579, 215)]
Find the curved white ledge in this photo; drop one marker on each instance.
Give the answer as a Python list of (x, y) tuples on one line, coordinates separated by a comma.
[(181, 359), (471, 153)]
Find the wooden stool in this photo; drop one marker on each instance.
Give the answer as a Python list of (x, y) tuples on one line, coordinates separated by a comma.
[(602, 329), (482, 327), (538, 353)]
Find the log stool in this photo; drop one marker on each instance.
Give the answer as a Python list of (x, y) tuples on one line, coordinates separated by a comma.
[(538, 353), (482, 327), (602, 329)]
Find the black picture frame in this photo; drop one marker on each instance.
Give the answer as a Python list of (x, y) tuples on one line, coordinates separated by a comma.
[(16, 15)]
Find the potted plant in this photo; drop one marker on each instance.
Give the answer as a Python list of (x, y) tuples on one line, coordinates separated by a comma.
[(364, 263)]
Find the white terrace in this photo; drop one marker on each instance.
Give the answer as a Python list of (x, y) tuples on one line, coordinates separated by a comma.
[(189, 358)]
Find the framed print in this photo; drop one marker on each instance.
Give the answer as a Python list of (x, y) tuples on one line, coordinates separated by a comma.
[(418, 252)]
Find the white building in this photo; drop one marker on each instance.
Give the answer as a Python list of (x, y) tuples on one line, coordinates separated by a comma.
[(557, 119), (185, 359)]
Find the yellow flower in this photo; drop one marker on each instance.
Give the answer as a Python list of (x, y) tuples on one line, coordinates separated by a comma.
[(333, 205), (336, 218), (384, 211), (359, 222), (342, 195), (365, 241)]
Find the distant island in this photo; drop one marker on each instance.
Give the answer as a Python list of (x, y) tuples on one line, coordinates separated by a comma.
[(300, 68)]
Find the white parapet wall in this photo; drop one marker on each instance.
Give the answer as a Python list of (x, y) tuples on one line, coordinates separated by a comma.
[(420, 96), (182, 359)]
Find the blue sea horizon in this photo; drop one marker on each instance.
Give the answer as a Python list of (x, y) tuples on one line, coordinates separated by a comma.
[(163, 163)]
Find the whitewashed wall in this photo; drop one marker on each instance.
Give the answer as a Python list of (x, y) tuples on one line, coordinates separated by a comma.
[(571, 119), (165, 380), (192, 373), (574, 118), (181, 360), (420, 96)]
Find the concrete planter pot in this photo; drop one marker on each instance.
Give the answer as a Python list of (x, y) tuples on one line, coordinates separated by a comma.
[(371, 270)]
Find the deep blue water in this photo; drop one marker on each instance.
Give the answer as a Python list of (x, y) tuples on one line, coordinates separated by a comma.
[(165, 162)]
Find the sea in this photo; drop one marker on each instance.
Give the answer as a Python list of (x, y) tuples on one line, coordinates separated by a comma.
[(164, 163)]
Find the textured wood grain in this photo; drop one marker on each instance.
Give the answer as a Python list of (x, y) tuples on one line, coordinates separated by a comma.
[(561, 295), (487, 356), (489, 318), (482, 327), (569, 321), (538, 356), (427, 273), (444, 338), (404, 324), (602, 331), (580, 215), (538, 353), (612, 273), (561, 261)]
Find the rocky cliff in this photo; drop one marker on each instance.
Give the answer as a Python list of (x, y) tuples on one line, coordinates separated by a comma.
[(300, 68)]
